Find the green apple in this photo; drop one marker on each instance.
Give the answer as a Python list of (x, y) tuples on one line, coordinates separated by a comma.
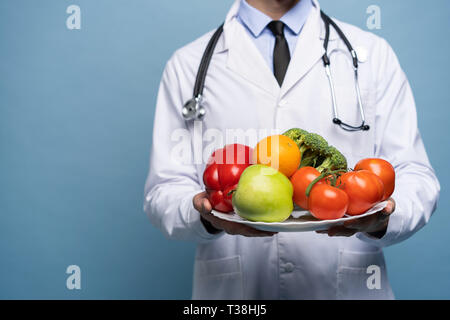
[(263, 194)]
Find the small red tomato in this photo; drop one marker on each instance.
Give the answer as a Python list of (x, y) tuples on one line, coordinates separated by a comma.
[(383, 169), (300, 181), (364, 190), (326, 202)]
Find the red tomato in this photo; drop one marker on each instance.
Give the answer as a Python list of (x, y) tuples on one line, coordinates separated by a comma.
[(383, 169), (326, 202), (222, 174), (300, 181), (364, 190)]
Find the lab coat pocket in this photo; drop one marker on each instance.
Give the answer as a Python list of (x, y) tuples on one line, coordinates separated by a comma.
[(362, 275), (218, 279)]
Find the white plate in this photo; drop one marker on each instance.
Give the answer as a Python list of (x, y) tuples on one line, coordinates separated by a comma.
[(299, 221)]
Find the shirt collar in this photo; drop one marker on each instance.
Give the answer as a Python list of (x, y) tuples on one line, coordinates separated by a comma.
[(256, 21), (297, 16)]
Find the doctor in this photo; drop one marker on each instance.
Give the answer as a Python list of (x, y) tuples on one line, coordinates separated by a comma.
[(267, 73)]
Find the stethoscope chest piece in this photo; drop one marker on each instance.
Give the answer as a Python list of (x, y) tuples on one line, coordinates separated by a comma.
[(193, 109)]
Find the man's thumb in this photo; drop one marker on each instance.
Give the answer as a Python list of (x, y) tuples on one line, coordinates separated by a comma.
[(206, 206)]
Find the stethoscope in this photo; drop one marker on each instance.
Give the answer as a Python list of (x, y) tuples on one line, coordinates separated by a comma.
[(194, 110)]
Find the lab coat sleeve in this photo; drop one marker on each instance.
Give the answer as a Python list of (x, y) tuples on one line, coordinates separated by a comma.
[(172, 182), (398, 140)]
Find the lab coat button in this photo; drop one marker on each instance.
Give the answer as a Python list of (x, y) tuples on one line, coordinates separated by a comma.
[(288, 267)]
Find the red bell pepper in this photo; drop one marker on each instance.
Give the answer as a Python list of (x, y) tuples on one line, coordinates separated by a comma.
[(222, 173)]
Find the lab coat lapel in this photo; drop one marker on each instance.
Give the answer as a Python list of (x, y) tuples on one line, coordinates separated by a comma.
[(308, 51), (245, 60)]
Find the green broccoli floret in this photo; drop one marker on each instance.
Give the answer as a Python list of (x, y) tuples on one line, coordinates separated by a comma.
[(307, 143), (306, 140), (313, 142), (334, 161), (316, 152), (296, 134), (312, 149)]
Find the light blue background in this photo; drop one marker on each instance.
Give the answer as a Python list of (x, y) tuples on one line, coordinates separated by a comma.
[(76, 112)]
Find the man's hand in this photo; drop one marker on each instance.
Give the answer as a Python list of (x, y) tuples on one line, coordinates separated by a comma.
[(375, 224), (204, 207)]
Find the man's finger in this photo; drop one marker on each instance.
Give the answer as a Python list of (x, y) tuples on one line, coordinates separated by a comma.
[(198, 199), (235, 228), (340, 231), (249, 231), (206, 206), (203, 205), (244, 230), (216, 222), (390, 207), (361, 223), (365, 222)]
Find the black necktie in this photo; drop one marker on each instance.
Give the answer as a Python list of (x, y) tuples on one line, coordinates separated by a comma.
[(281, 55)]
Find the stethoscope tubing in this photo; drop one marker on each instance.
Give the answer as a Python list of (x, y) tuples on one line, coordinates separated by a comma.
[(193, 108)]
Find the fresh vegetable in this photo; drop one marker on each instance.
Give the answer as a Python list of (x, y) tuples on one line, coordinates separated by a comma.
[(222, 174), (300, 181), (326, 202), (279, 152), (263, 194), (298, 167), (364, 190), (316, 152), (383, 169)]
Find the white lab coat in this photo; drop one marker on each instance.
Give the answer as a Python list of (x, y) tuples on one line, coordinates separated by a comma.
[(242, 93)]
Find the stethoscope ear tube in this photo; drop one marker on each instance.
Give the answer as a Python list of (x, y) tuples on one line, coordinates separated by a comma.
[(328, 21), (336, 120), (326, 61), (193, 109), (204, 63)]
